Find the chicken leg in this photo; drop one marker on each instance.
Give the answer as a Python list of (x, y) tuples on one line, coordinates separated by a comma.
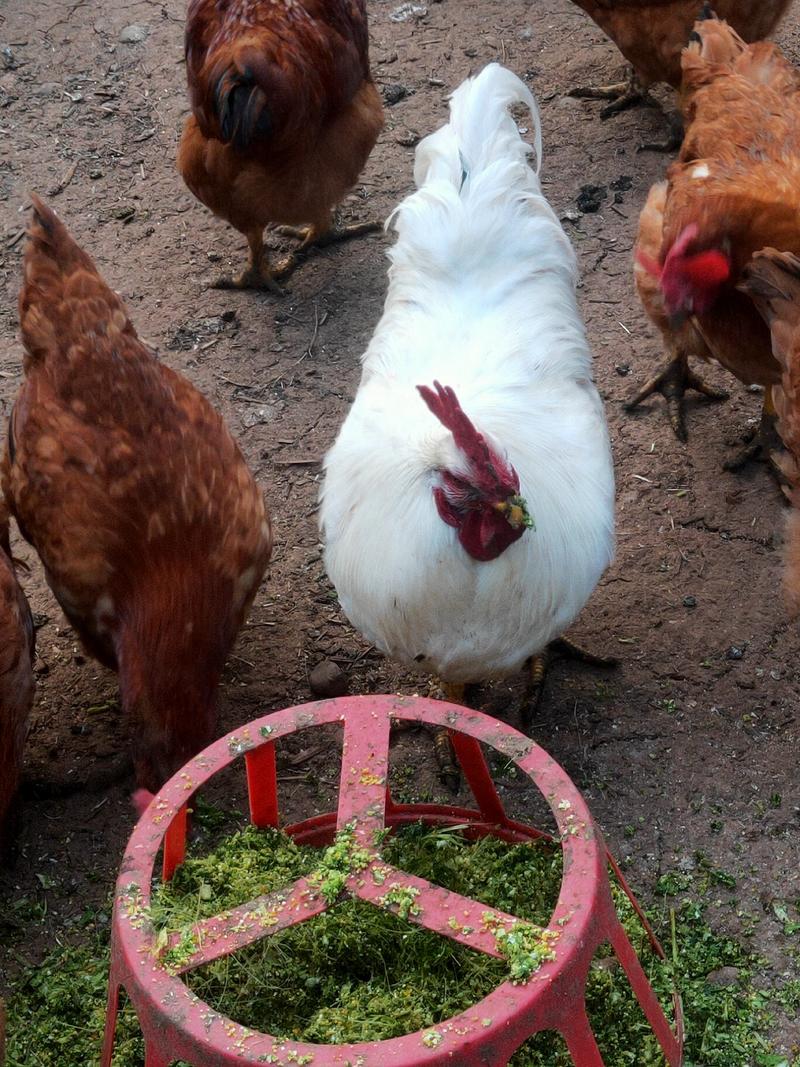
[(318, 236), (538, 668), (258, 274), (622, 95), (449, 773), (765, 444), (672, 380)]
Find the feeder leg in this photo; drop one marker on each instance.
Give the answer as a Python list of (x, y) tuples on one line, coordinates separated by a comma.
[(262, 785), (644, 994), (580, 1042), (112, 1007), (155, 1057), (174, 845)]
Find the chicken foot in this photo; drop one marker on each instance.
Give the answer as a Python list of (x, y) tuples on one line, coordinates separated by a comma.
[(318, 237), (674, 138), (563, 648), (258, 274), (449, 773), (765, 444), (623, 95), (672, 380)]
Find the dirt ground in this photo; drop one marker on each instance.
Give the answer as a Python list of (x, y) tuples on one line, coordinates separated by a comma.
[(687, 752)]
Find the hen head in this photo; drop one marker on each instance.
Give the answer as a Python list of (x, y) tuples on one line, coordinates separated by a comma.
[(484, 504), (689, 281)]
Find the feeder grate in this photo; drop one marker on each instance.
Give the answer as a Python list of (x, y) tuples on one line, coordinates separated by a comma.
[(176, 1024)]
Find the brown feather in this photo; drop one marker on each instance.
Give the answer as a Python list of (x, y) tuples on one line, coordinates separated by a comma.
[(738, 180), (152, 531), (284, 109), (772, 281), (652, 33), (16, 680)]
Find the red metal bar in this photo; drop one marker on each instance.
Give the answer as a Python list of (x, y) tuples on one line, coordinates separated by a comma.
[(262, 785), (260, 917), (174, 845), (444, 912), (476, 771), (580, 1041), (670, 1044), (365, 773)]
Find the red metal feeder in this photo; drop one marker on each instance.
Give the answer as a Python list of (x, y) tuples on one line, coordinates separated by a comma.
[(177, 1025)]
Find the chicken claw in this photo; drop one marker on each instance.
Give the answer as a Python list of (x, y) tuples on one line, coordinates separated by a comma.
[(258, 274), (672, 381), (765, 444), (449, 774), (252, 278), (311, 236), (675, 134), (566, 649), (622, 95)]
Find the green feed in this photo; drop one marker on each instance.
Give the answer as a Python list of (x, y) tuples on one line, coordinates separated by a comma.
[(359, 973)]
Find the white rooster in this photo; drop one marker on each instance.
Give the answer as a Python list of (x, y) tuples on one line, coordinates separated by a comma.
[(468, 502)]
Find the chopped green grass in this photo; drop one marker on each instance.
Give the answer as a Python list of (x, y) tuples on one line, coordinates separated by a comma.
[(359, 973)]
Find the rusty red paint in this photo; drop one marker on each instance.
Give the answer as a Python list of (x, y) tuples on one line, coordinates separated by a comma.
[(177, 1025)]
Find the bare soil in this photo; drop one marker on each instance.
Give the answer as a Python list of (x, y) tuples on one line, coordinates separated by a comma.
[(689, 747)]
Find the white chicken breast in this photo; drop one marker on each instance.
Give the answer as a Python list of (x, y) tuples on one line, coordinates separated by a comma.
[(467, 523)]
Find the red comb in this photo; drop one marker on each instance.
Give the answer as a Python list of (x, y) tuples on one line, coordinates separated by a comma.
[(445, 406)]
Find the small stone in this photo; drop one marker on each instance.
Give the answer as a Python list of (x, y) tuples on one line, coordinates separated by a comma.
[(525, 34), (622, 369), (723, 977), (408, 11), (735, 652), (394, 93), (259, 417), (95, 174), (407, 138), (328, 679), (690, 602), (214, 257), (133, 34)]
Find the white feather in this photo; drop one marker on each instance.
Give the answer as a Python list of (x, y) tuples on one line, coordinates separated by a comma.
[(482, 298)]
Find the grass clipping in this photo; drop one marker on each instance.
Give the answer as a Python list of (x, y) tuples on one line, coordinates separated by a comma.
[(359, 973)]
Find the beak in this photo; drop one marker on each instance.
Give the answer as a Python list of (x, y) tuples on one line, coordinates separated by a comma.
[(515, 512)]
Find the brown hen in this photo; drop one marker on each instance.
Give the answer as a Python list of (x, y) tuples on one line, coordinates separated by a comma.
[(651, 35), (284, 116), (734, 189), (772, 280), (152, 531), (16, 676)]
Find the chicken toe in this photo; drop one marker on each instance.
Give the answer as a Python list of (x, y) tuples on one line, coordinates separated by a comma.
[(562, 648), (765, 445), (258, 274), (672, 380), (449, 774), (622, 95)]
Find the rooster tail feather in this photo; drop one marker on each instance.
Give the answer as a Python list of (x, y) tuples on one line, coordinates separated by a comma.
[(480, 131), (240, 104)]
